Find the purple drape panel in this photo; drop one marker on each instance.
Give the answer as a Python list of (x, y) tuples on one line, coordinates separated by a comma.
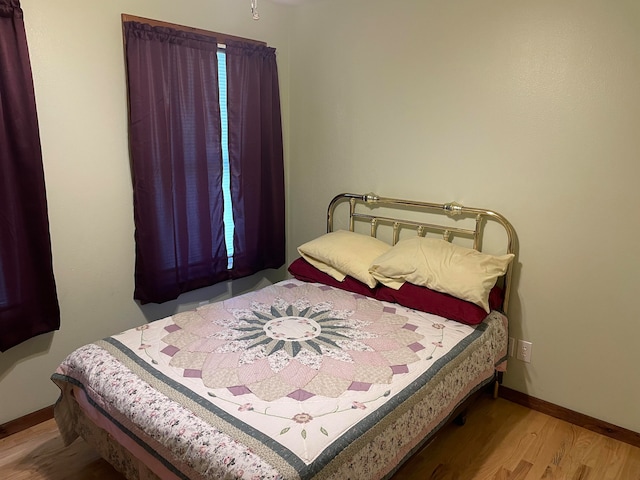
[(176, 161), (256, 158), (28, 299), (175, 135)]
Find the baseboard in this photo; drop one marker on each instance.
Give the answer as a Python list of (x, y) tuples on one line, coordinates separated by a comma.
[(584, 421), (28, 421)]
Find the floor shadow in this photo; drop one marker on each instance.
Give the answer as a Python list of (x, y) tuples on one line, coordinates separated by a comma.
[(51, 460)]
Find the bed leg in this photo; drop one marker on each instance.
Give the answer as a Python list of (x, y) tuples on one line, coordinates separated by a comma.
[(461, 419), (496, 383)]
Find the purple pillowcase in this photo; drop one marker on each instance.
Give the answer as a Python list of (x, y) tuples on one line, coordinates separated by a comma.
[(409, 295)]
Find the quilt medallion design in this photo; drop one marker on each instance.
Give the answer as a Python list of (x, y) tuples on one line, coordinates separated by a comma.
[(295, 341)]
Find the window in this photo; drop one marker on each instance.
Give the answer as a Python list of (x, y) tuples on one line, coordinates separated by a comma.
[(206, 152), (224, 143)]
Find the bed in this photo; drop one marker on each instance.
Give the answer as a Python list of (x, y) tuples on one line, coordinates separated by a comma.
[(390, 323)]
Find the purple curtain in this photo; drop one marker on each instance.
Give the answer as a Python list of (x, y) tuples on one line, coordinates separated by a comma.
[(28, 299), (175, 135), (256, 157)]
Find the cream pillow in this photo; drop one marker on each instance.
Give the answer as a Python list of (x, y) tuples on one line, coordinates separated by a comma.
[(439, 265), (343, 253)]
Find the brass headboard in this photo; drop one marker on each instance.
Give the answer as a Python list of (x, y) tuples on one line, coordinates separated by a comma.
[(358, 203)]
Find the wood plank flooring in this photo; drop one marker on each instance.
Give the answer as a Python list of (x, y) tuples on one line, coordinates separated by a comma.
[(505, 441), (500, 441)]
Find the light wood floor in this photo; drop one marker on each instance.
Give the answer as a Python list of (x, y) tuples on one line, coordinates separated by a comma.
[(500, 441)]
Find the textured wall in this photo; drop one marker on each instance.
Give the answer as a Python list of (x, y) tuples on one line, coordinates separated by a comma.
[(531, 108)]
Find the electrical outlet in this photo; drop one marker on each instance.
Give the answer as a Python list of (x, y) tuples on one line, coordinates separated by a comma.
[(524, 351), (512, 346)]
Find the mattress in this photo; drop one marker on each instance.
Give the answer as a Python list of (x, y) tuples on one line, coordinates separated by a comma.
[(294, 381)]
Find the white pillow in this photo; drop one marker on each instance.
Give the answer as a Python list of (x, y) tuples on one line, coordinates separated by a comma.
[(439, 265), (343, 253)]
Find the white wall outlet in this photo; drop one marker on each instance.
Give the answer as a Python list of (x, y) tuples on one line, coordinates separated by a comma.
[(524, 351), (512, 346)]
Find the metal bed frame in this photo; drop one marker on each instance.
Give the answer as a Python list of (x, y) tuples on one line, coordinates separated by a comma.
[(357, 212)]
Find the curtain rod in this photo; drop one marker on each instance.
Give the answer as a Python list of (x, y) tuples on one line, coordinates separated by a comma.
[(222, 37)]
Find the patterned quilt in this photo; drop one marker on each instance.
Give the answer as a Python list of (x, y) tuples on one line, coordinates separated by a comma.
[(294, 381)]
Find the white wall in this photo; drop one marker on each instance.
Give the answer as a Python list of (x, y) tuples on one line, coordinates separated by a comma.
[(78, 71), (530, 108)]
